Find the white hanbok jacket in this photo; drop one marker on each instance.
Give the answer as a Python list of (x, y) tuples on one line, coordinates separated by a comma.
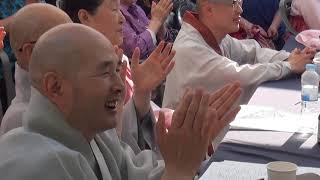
[(198, 64)]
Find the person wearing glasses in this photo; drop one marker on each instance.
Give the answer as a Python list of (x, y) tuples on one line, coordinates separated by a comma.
[(23, 36), (7, 9), (207, 56)]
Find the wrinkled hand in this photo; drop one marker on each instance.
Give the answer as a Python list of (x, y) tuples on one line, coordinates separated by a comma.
[(2, 35), (194, 126), (272, 31), (159, 13), (258, 29), (298, 59), (148, 75), (224, 99)]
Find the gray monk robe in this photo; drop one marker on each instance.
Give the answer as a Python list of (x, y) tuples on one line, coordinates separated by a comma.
[(137, 133), (46, 147)]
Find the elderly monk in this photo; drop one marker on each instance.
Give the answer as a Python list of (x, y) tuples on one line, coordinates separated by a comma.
[(27, 26), (207, 56), (105, 16), (64, 133), (137, 134)]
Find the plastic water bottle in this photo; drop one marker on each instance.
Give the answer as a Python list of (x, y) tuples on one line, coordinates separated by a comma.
[(318, 130), (309, 91)]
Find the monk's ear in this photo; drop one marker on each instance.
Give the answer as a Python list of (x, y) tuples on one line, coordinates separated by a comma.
[(84, 17), (25, 55), (53, 86), (58, 90)]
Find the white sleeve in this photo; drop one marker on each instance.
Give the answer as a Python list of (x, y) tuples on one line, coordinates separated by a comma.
[(153, 35), (205, 68), (248, 51)]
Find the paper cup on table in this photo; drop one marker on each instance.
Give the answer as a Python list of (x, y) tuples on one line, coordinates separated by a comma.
[(280, 170)]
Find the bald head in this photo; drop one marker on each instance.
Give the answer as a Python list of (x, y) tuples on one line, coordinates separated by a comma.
[(77, 69), (30, 22), (66, 50)]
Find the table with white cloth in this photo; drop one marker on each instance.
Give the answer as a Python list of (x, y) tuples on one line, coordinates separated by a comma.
[(270, 128)]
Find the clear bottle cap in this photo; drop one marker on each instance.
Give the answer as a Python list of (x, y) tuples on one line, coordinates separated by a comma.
[(310, 67)]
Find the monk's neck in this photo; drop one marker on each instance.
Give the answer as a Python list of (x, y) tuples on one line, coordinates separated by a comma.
[(84, 129), (219, 35)]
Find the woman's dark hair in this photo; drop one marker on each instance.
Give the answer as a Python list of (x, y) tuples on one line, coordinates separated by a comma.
[(72, 7)]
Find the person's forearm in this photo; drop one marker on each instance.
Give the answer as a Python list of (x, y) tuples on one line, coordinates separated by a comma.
[(277, 19), (245, 24), (144, 41), (142, 103), (154, 26)]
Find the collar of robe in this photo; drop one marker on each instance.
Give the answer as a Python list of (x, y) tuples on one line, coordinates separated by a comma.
[(22, 85), (43, 117), (193, 19)]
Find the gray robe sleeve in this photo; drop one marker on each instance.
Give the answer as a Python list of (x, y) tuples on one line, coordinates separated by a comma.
[(13, 117), (33, 157), (124, 163), (138, 133)]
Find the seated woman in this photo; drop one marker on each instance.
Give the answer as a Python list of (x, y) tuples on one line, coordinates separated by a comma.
[(139, 31), (305, 15), (262, 21)]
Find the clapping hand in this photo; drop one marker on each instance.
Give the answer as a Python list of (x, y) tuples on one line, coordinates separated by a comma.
[(195, 124), (159, 13), (148, 75)]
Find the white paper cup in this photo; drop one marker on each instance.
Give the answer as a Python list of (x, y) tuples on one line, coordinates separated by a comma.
[(280, 170)]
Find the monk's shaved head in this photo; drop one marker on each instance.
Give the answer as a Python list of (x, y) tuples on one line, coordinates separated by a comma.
[(77, 69), (30, 22), (66, 50)]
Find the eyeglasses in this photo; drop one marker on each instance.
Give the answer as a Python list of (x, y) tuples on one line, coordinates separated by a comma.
[(229, 2), (233, 3), (32, 42)]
